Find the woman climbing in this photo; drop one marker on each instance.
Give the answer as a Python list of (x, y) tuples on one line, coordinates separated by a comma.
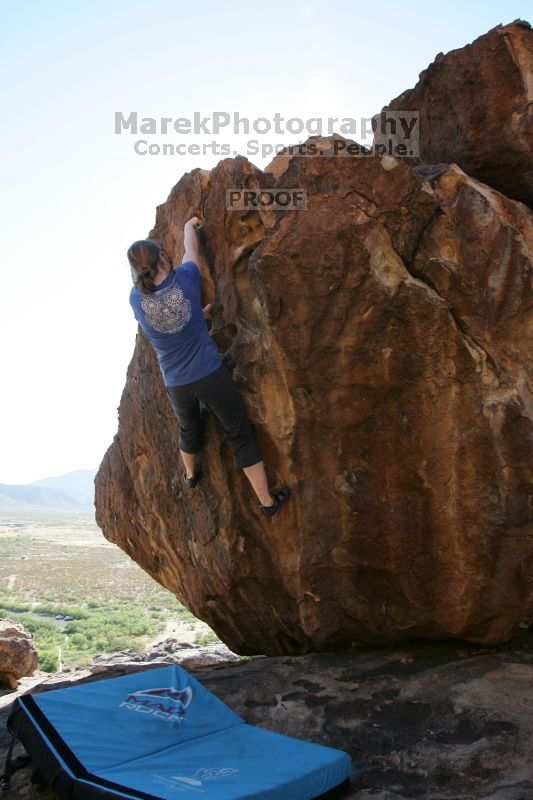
[(166, 303)]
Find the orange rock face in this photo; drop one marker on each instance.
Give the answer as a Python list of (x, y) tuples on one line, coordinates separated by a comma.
[(382, 343), (476, 109)]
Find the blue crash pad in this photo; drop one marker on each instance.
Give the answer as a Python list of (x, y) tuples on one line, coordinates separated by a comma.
[(161, 735)]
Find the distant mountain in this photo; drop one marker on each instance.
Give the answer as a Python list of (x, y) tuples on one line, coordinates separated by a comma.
[(73, 491), (79, 484), (24, 496)]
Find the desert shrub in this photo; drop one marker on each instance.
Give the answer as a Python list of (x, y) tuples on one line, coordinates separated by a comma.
[(206, 638), (76, 612), (11, 605), (48, 660)]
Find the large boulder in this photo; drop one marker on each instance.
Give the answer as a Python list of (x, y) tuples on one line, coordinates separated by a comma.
[(18, 656), (476, 109), (382, 342)]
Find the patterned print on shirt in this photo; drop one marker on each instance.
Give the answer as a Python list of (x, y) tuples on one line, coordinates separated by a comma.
[(168, 310)]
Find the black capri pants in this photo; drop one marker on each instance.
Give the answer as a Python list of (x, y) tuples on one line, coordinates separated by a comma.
[(218, 392)]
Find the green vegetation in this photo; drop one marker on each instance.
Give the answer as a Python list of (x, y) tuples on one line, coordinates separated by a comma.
[(206, 638), (79, 595), (104, 629)]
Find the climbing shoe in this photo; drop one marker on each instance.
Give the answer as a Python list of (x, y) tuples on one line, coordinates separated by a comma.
[(280, 496), (193, 481)]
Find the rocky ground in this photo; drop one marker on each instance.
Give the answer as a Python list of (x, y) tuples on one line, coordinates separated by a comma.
[(441, 720)]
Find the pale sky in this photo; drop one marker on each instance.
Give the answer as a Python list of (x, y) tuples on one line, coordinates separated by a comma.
[(75, 194)]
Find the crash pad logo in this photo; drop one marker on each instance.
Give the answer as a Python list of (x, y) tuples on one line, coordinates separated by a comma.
[(194, 780), (168, 703)]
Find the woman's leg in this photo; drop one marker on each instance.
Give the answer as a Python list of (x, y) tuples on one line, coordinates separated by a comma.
[(224, 399), (257, 477), (191, 429), (189, 459)]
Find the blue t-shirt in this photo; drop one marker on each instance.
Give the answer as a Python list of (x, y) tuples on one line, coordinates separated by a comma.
[(172, 319)]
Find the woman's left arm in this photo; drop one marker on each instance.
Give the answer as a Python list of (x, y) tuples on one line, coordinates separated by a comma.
[(190, 241)]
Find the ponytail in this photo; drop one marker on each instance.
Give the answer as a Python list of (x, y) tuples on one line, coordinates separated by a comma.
[(143, 256)]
